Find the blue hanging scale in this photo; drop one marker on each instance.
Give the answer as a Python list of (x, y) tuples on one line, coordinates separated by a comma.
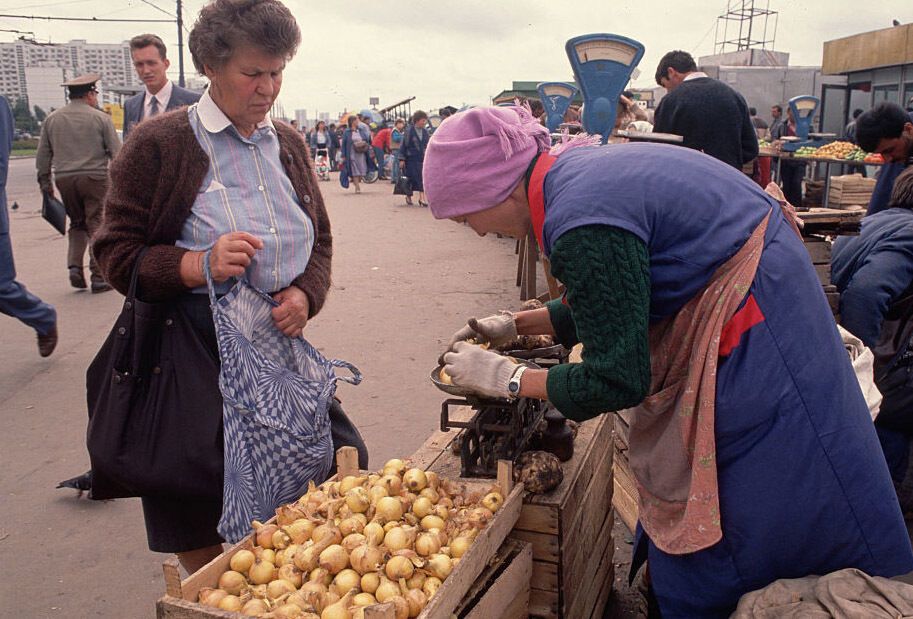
[(602, 65), (556, 98)]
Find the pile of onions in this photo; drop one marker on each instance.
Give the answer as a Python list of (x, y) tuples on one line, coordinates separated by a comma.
[(391, 536)]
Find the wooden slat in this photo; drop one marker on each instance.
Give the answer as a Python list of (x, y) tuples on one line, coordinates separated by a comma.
[(346, 461), (538, 519), (508, 596), (543, 604), (584, 596), (172, 572), (624, 498), (169, 607), (380, 611), (545, 576), (600, 451), (476, 558), (823, 271), (208, 575), (819, 250), (602, 598), (578, 571), (586, 436), (545, 547)]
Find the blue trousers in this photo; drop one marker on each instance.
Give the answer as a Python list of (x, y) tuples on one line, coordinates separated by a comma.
[(15, 299)]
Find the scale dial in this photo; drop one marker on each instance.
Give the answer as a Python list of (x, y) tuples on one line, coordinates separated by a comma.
[(557, 89), (615, 51)]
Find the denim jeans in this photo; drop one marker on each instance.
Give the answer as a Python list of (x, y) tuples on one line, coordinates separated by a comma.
[(15, 299)]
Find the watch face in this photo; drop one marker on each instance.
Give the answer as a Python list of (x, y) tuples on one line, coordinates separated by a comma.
[(513, 386)]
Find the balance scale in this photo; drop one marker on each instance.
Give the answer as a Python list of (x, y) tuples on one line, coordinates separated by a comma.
[(556, 98), (803, 108)]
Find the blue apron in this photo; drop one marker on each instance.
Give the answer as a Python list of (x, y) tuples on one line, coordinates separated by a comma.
[(276, 393), (803, 486)]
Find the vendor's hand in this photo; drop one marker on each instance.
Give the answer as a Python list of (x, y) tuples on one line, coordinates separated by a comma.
[(483, 371), (494, 330), (291, 315), (232, 254)]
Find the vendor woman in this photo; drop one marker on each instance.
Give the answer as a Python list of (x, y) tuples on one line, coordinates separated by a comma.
[(696, 303)]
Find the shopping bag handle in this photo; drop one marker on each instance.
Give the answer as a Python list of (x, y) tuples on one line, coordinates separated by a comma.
[(356, 376)]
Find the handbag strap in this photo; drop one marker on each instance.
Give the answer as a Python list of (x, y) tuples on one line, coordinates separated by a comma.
[(134, 276)]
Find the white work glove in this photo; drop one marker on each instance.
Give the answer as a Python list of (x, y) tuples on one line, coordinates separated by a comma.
[(494, 330), (482, 371)]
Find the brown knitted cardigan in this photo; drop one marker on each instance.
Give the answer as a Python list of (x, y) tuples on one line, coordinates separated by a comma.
[(154, 183)]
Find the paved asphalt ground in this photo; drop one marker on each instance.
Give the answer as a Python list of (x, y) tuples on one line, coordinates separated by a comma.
[(402, 283)]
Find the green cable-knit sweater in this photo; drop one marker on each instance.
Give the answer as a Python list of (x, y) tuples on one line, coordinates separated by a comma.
[(606, 271)]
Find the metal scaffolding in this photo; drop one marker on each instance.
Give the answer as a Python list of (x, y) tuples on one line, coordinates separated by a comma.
[(746, 24)]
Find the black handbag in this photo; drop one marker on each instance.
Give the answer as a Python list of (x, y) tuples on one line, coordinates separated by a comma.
[(53, 212), (894, 366), (155, 409), (402, 187)]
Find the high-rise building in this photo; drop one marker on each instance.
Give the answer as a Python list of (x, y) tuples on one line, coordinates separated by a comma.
[(33, 70)]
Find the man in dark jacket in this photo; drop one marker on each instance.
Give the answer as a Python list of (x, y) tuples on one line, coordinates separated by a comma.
[(708, 114), (886, 129), (873, 271)]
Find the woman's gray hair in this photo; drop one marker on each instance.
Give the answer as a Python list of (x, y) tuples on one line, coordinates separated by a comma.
[(902, 194), (224, 26)]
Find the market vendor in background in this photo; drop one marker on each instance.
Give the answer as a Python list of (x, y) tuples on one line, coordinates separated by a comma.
[(873, 272), (695, 302), (886, 129), (221, 176), (792, 171)]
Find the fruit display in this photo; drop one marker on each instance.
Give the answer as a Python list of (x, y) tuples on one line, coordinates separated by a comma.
[(805, 151), (873, 158), (836, 150), (392, 536)]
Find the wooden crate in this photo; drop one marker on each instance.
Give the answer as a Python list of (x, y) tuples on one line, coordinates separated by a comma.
[(570, 529), (502, 590), (179, 601)]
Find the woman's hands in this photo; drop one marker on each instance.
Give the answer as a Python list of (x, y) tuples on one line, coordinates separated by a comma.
[(232, 254), (291, 315)]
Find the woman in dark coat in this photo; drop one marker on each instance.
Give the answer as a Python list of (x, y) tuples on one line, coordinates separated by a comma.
[(412, 154)]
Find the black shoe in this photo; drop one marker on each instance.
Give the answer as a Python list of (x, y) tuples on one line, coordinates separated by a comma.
[(100, 285), (47, 343), (83, 483), (77, 278)]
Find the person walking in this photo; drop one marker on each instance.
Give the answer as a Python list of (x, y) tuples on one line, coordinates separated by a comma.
[(15, 299), (150, 61), (396, 142), (356, 142), (381, 145), (692, 294), (412, 154), (78, 141)]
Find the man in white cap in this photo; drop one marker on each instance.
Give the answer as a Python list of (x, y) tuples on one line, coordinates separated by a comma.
[(78, 140)]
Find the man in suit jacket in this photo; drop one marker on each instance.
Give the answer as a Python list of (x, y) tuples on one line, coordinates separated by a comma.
[(161, 95)]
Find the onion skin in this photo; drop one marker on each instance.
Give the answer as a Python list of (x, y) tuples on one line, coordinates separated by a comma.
[(428, 544), (392, 483), (366, 558), (339, 609), (334, 559), (255, 608), (357, 500), (230, 602), (211, 597), (277, 588), (394, 467), (386, 590), (430, 586), (232, 582), (439, 566), (399, 567), (417, 601), (290, 573), (374, 533), (264, 536)]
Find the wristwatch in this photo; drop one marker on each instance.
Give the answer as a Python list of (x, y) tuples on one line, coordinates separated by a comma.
[(513, 385)]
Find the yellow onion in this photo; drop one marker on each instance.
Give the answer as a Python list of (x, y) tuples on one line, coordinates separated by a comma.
[(232, 582), (257, 591), (459, 546), (242, 560), (288, 611), (397, 538), (441, 512), (265, 554), (366, 558), (328, 531), (300, 530), (374, 533), (439, 566), (391, 483), (261, 572), (264, 534), (394, 467), (386, 590), (334, 559), (428, 544), (290, 573), (399, 567), (346, 580), (348, 482), (211, 597), (353, 541), (375, 493), (254, 608), (307, 558), (326, 599), (277, 588), (388, 509), (431, 494), (432, 522), (313, 587), (340, 609), (422, 506), (416, 600), (400, 607), (364, 599), (415, 480), (357, 500), (479, 517), (434, 480), (417, 580), (493, 502), (281, 539), (430, 586), (230, 602), (352, 524), (318, 574), (370, 582)]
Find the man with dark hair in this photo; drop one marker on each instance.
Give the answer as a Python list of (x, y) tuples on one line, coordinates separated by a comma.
[(77, 141), (150, 61), (777, 120), (886, 129), (708, 114), (849, 133), (759, 124)]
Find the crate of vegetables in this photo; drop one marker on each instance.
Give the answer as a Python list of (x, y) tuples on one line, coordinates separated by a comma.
[(397, 543)]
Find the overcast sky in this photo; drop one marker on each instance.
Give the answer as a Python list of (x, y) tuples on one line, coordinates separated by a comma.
[(463, 51)]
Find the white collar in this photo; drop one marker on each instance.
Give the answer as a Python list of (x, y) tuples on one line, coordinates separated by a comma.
[(214, 119), (163, 95), (694, 75)]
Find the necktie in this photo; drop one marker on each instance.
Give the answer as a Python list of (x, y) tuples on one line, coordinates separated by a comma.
[(153, 107)]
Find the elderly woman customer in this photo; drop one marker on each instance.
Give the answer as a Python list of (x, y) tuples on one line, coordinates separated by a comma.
[(356, 146), (322, 138), (222, 176), (697, 307), (412, 154)]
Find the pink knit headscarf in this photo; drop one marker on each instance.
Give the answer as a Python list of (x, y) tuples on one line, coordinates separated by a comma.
[(476, 158)]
